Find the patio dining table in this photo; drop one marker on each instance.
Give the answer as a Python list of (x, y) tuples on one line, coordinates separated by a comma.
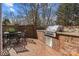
[(15, 40), (11, 38)]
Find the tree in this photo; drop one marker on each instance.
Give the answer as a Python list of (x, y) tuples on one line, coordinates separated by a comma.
[(68, 14), (48, 14), (38, 14), (6, 22), (31, 14)]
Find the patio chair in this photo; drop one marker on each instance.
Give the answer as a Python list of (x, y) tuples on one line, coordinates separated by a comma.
[(12, 39), (21, 42), (23, 38), (5, 39)]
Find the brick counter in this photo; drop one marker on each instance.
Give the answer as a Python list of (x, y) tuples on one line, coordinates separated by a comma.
[(40, 34), (69, 43)]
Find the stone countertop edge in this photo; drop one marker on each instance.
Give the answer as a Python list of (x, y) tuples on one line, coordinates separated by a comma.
[(69, 33), (41, 30)]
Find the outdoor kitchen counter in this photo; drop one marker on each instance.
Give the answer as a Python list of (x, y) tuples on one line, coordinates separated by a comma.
[(69, 33), (69, 43), (41, 30), (40, 34)]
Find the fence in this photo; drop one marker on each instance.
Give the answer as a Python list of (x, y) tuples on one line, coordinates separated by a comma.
[(30, 30)]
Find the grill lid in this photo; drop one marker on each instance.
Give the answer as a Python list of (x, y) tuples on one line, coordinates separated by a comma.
[(54, 28)]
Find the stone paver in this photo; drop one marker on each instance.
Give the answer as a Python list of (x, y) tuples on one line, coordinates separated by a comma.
[(38, 49)]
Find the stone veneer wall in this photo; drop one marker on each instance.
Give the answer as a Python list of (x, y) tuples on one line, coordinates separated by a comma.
[(69, 45), (40, 35)]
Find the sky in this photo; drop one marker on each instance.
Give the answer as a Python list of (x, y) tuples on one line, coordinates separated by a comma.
[(8, 8)]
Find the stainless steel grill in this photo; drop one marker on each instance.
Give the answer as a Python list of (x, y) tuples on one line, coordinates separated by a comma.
[(50, 34), (51, 30)]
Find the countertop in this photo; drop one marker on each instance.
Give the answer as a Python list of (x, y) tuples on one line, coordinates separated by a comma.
[(69, 33), (64, 33)]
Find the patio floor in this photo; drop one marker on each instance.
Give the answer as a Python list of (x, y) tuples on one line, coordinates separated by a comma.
[(37, 49)]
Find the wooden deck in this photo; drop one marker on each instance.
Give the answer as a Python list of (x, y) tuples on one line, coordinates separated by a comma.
[(37, 49)]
